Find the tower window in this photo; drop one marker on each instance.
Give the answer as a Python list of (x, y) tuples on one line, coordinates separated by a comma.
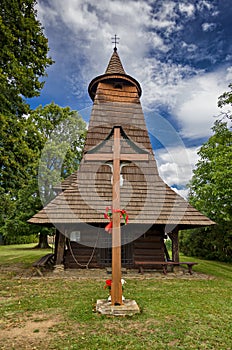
[(118, 86)]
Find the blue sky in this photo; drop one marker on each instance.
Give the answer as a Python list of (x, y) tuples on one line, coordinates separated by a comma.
[(179, 51)]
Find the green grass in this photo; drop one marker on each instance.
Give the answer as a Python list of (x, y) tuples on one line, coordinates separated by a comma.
[(214, 268), (175, 313), (23, 254)]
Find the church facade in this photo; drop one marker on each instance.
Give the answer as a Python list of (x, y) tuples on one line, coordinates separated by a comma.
[(154, 209)]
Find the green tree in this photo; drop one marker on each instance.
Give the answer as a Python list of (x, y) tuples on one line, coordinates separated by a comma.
[(211, 191), (63, 132), (226, 98), (23, 55), (211, 185), (59, 135), (23, 62)]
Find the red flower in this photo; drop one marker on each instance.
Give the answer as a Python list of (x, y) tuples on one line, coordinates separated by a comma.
[(108, 284)]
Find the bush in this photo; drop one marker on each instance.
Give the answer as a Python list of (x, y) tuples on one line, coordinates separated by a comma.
[(12, 239), (208, 243)]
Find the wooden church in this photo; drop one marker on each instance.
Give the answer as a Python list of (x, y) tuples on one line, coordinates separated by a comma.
[(153, 208)]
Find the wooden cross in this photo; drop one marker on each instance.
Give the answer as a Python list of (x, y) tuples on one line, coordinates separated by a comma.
[(116, 157)]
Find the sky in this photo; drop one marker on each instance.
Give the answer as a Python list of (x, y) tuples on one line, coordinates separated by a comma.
[(179, 51)]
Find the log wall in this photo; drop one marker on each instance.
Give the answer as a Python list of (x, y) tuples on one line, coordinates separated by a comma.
[(148, 247)]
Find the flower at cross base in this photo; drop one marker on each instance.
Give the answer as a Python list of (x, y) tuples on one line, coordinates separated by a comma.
[(109, 283), (108, 286)]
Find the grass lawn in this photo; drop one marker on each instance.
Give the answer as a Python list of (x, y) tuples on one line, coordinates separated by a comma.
[(58, 312)]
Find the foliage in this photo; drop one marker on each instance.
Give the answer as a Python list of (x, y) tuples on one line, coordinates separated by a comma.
[(23, 62), (176, 313), (212, 243), (19, 147), (168, 244), (58, 135), (211, 185), (226, 98), (11, 239), (23, 55), (211, 192), (63, 134)]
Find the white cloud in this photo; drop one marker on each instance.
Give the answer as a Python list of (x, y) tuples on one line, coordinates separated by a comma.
[(229, 74), (160, 80), (187, 9), (196, 103), (208, 27), (189, 47), (176, 164), (205, 5)]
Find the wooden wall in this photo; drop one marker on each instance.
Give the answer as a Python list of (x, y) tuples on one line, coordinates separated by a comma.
[(148, 247)]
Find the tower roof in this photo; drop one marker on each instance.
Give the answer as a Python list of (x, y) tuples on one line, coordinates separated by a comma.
[(115, 65), (114, 71)]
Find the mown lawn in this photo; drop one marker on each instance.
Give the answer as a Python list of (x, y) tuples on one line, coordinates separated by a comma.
[(58, 312)]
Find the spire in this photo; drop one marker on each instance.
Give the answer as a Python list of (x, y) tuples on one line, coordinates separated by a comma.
[(115, 64), (114, 70)]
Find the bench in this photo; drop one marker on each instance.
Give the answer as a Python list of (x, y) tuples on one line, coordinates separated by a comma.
[(164, 265), (42, 262)]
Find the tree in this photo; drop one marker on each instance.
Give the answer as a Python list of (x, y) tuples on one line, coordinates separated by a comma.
[(211, 191), (59, 135), (211, 185), (63, 132), (226, 98), (23, 55), (23, 62)]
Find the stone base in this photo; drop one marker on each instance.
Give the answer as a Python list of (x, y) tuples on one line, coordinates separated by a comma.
[(129, 308), (58, 268)]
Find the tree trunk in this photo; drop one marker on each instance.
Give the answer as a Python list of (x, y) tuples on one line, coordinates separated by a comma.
[(59, 255), (43, 241), (175, 244)]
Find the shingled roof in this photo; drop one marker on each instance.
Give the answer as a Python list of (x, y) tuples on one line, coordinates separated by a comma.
[(115, 65), (145, 196)]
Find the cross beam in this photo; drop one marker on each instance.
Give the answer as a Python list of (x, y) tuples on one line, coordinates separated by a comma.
[(116, 157), (110, 157)]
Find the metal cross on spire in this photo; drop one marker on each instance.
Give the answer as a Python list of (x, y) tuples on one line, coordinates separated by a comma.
[(115, 41)]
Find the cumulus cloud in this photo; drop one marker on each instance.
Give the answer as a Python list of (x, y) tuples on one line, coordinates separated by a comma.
[(208, 27), (229, 74), (187, 9), (176, 164), (205, 5), (160, 80), (196, 103)]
